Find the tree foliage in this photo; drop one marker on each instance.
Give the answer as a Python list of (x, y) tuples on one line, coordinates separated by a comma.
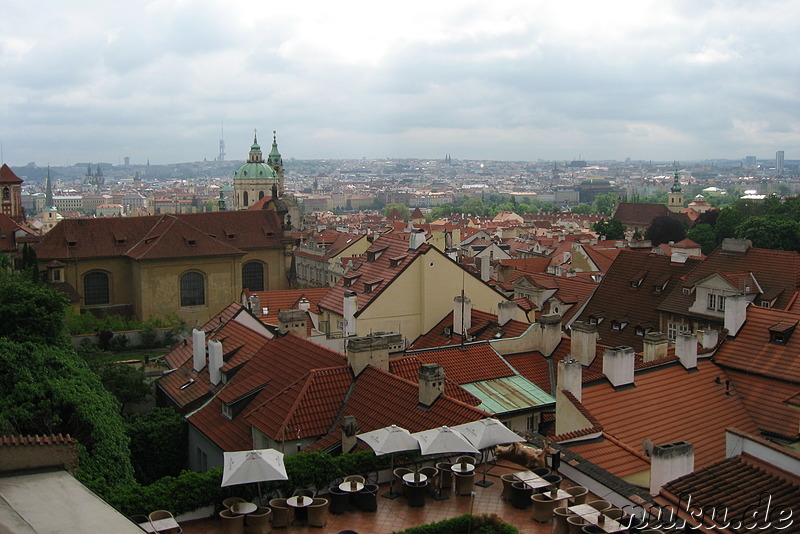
[(402, 209), (610, 228), (30, 311), (159, 441), (771, 231), (703, 235), (664, 229)]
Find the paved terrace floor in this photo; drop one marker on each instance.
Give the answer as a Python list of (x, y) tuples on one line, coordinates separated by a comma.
[(395, 515)]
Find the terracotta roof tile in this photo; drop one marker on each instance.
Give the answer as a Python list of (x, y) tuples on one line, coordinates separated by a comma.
[(287, 299), (613, 455), (484, 328), (765, 400), (534, 367), (470, 363), (14, 440), (407, 367)]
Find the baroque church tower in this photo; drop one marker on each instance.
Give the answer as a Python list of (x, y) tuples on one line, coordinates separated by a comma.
[(675, 196), (255, 179)]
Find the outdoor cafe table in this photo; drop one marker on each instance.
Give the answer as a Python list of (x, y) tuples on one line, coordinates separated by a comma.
[(463, 468), (592, 516), (351, 486), (532, 480), (299, 503), (160, 525), (415, 478), (244, 508)]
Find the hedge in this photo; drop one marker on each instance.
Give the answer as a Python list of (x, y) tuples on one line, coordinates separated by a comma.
[(479, 524)]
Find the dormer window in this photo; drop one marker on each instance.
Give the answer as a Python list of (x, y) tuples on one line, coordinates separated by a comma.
[(716, 302), (72, 243), (191, 242), (780, 333), (687, 291), (227, 412), (766, 304)]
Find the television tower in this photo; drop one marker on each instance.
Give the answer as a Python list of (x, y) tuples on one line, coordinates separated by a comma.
[(221, 156)]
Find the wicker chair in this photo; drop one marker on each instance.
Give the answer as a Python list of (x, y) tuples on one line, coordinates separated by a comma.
[(464, 483), (231, 523), (614, 513), (560, 516), (260, 521), (433, 481), (305, 492), (339, 500), (578, 494), (367, 499), (280, 513), (357, 478), (398, 479), (466, 458), (600, 505), (575, 524), (507, 480), (230, 501), (446, 473), (318, 513), (543, 507)]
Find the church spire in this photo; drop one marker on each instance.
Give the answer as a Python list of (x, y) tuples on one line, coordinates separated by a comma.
[(255, 150), (50, 205), (274, 156)]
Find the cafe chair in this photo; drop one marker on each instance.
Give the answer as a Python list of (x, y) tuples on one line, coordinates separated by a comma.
[(280, 513), (555, 483), (398, 478), (259, 522), (415, 493), (318, 513), (543, 507), (230, 501), (600, 505), (367, 499), (357, 478), (578, 495), (464, 483), (520, 495), (159, 514), (465, 459), (231, 523), (560, 515), (614, 513), (446, 473), (339, 498), (575, 524), (541, 471), (507, 480), (305, 492), (432, 473)]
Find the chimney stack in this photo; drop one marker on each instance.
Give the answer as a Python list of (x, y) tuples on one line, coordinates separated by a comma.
[(462, 315), (686, 350), (416, 238), (570, 377), (304, 304), (349, 309), (584, 342), (618, 365), (198, 350), (735, 313), (486, 268), (215, 361), (668, 462), (255, 305), (431, 383), (655, 346), (349, 431), (550, 325), (368, 350), (708, 338), (294, 321), (506, 311)]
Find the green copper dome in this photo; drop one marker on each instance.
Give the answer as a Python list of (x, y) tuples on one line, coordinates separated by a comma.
[(256, 168), (274, 156)]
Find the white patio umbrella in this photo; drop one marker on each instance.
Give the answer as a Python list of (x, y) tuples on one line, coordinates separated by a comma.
[(389, 440), (244, 467), (487, 433), (443, 440)]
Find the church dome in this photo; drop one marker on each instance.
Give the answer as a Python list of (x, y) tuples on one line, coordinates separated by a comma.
[(256, 168)]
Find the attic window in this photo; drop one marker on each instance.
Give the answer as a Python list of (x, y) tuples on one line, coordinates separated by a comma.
[(687, 291), (766, 304), (780, 333), (121, 241), (639, 331), (187, 384), (636, 281), (72, 243), (231, 235), (191, 241), (227, 413)]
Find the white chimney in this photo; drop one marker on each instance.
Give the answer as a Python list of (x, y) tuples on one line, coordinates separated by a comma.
[(584, 342), (198, 350), (569, 376), (550, 325), (735, 313), (462, 315), (708, 338), (618, 365), (686, 350), (506, 311), (654, 346), (304, 304), (668, 462), (255, 304), (431, 383), (215, 361), (486, 268), (349, 309), (416, 238), (294, 321)]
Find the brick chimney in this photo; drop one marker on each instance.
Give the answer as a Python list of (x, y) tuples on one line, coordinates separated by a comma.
[(618, 365), (735, 313), (668, 462), (293, 321), (198, 350), (215, 361), (368, 350), (686, 350), (416, 238), (431, 383), (655, 346), (462, 314), (584, 342), (551, 333), (506, 311), (349, 309)]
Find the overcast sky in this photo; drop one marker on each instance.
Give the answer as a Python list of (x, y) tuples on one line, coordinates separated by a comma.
[(92, 81)]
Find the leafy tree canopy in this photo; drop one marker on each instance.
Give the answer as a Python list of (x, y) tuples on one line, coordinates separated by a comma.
[(610, 228), (703, 235), (30, 311), (402, 209), (664, 229), (771, 231)]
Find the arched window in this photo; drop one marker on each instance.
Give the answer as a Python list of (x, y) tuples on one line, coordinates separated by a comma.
[(244, 196), (253, 276), (260, 195), (6, 193), (193, 289), (95, 288)]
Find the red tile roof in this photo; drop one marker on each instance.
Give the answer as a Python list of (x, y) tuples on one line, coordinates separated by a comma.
[(613, 455), (690, 406), (766, 401), (484, 328), (287, 299), (7, 176), (407, 367), (14, 440), (162, 236), (470, 363)]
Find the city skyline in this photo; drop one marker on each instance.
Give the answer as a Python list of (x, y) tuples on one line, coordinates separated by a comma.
[(514, 81)]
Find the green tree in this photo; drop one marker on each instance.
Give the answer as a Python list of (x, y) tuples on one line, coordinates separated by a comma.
[(727, 222), (402, 209), (610, 228), (605, 203), (159, 441), (583, 209), (703, 235), (126, 382), (664, 229), (771, 232), (30, 311)]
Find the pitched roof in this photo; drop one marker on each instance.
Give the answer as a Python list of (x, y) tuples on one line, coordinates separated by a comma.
[(774, 270), (632, 289), (7, 176), (407, 367), (613, 455), (162, 236), (690, 407), (642, 214), (471, 363), (484, 328), (287, 299), (767, 402)]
